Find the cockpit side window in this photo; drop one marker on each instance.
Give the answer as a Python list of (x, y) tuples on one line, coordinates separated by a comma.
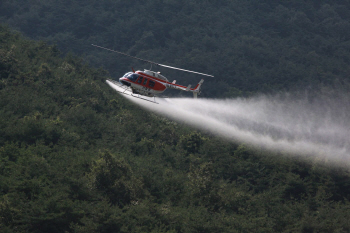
[(140, 80), (145, 81)]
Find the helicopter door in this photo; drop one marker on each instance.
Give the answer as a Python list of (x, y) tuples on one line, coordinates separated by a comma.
[(139, 80), (145, 81), (151, 83)]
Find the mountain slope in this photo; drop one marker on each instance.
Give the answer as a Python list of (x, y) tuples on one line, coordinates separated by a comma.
[(77, 157)]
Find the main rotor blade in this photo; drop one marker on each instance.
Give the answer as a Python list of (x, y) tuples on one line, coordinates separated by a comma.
[(185, 70), (171, 67), (124, 54)]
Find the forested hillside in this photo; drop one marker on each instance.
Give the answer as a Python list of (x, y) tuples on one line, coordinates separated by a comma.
[(77, 157), (249, 46)]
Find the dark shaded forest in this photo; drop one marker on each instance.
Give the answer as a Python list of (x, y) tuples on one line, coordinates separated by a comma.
[(249, 46), (77, 157)]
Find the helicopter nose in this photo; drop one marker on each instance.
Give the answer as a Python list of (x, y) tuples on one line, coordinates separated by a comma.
[(123, 82)]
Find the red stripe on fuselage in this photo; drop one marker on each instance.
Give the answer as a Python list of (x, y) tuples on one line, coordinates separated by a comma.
[(158, 79)]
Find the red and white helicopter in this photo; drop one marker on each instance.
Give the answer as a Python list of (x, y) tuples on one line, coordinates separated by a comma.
[(149, 83)]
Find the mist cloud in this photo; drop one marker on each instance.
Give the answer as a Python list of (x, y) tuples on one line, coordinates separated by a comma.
[(298, 127)]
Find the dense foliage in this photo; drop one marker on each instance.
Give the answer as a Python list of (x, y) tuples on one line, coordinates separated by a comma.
[(77, 157), (250, 46)]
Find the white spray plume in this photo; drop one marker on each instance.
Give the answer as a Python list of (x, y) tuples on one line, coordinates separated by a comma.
[(318, 128)]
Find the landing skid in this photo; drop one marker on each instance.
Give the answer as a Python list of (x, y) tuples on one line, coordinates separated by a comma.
[(126, 89), (154, 101)]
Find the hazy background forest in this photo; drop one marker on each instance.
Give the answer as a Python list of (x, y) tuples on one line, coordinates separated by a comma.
[(77, 157), (250, 46)]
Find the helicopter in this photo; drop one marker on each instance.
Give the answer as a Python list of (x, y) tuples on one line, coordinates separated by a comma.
[(150, 83)]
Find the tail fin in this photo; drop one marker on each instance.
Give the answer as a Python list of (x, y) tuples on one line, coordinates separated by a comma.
[(197, 90), (198, 87)]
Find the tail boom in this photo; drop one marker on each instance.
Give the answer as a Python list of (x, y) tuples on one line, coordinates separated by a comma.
[(195, 90)]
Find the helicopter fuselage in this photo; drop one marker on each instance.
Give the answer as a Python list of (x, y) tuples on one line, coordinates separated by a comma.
[(150, 83)]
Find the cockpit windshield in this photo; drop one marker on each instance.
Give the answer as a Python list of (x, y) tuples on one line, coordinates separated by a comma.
[(131, 76), (127, 74)]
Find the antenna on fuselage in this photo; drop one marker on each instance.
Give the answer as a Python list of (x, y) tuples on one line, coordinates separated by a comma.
[(171, 67)]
